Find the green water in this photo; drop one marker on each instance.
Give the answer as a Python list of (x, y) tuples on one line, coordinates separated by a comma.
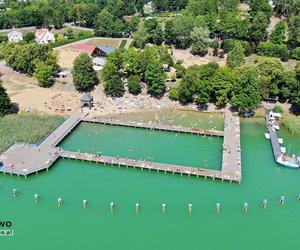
[(45, 226), (157, 146)]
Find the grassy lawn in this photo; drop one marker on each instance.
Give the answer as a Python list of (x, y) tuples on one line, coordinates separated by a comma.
[(111, 42), (26, 127), (289, 65), (292, 123)]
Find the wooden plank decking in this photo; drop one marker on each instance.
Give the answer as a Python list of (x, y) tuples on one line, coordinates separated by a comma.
[(153, 126), (147, 165), (273, 137), (22, 159)]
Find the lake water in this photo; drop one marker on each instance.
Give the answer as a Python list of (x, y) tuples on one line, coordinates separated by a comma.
[(45, 226)]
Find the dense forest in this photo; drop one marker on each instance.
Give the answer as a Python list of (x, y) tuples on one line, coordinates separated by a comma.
[(83, 12), (222, 26)]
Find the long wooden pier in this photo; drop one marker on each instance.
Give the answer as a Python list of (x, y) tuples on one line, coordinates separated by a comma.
[(24, 159), (147, 165), (63, 130), (231, 160), (154, 126), (273, 137)]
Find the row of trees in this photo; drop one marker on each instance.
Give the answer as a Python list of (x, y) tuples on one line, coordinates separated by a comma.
[(83, 12), (32, 59), (133, 67), (244, 87), (211, 23)]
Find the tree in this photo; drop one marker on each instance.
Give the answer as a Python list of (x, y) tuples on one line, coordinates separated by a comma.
[(84, 76), (236, 56), (132, 61), (134, 84), (202, 7), (116, 58), (5, 104), (58, 18), (196, 84), (44, 74), (287, 85), (295, 97), (286, 7), (29, 37), (182, 28), (269, 70), (264, 6), (140, 37), (229, 44), (272, 49), (258, 30), (200, 40), (229, 5), (278, 34), (233, 26), (294, 31), (113, 84), (173, 94), (155, 78), (222, 82), (154, 30), (245, 96), (106, 25)]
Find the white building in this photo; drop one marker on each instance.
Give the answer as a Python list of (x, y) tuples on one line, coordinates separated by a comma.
[(15, 36), (148, 8), (44, 36), (98, 63)]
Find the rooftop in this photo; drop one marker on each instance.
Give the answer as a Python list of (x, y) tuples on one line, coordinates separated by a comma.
[(106, 49), (85, 47)]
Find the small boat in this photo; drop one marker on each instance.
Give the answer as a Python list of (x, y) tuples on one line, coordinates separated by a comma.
[(283, 150), (289, 162), (280, 140), (267, 136), (276, 126)]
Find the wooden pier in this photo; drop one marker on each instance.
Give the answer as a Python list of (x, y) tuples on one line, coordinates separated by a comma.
[(25, 159), (147, 165), (231, 160), (63, 130), (273, 137), (154, 126)]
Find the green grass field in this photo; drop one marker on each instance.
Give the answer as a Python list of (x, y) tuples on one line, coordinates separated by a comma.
[(26, 127)]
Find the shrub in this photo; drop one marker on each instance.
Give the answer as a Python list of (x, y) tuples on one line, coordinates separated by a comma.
[(180, 70), (123, 44), (229, 44), (292, 123), (278, 109), (3, 38), (271, 49), (134, 85), (296, 53), (173, 94), (67, 41), (29, 37)]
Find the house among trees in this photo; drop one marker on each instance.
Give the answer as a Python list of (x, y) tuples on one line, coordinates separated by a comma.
[(94, 51), (98, 63), (105, 50), (91, 50), (15, 36), (127, 19), (44, 36), (148, 8)]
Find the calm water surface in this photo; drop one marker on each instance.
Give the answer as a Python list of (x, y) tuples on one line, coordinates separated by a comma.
[(45, 226)]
